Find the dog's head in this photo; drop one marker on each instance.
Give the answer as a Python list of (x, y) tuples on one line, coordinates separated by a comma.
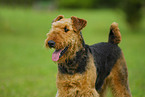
[(65, 37)]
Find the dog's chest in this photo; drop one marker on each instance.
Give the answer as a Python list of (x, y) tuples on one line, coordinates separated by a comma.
[(78, 81)]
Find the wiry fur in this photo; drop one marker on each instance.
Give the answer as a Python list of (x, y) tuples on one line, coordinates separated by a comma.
[(63, 39), (78, 85), (86, 71)]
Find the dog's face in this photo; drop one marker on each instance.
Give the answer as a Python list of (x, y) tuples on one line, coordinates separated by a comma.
[(65, 37)]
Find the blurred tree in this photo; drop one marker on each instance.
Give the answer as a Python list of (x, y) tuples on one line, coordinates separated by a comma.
[(15, 2), (75, 3), (133, 11), (107, 3), (132, 8), (45, 4), (22, 2)]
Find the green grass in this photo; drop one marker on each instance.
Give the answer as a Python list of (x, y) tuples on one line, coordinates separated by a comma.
[(26, 68)]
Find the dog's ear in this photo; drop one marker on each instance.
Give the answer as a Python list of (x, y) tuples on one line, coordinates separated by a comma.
[(78, 23), (58, 18)]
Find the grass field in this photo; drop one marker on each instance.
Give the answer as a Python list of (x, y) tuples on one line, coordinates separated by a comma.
[(26, 68)]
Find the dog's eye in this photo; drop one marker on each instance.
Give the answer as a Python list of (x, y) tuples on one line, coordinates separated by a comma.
[(66, 30)]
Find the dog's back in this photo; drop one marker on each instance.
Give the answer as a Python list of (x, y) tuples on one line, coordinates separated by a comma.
[(108, 56), (105, 56)]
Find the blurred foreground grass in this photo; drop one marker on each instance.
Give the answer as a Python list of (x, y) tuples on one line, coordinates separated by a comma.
[(26, 68)]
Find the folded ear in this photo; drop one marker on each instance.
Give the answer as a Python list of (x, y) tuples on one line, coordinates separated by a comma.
[(58, 18), (78, 24)]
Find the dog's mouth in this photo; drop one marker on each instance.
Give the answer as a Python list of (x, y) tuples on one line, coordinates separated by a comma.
[(58, 53)]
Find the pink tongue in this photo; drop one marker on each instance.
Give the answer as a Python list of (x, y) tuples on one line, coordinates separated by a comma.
[(55, 55)]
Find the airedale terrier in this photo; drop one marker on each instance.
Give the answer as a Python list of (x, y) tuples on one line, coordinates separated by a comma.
[(83, 70)]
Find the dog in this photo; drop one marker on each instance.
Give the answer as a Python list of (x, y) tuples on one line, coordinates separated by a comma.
[(83, 70)]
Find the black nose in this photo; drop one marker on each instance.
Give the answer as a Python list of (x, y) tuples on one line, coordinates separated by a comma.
[(51, 43)]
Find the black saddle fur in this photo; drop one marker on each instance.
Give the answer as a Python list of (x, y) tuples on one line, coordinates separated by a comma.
[(105, 56)]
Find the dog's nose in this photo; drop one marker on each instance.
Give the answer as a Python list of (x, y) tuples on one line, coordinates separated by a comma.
[(51, 43)]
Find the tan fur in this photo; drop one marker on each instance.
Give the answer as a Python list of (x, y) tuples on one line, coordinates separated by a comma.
[(103, 91), (83, 84), (78, 85), (58, 18), (116, 32), (64, 39), (117, 80), (78, 23)]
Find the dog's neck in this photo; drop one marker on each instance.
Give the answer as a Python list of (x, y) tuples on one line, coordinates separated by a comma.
[(76, 64), (83, 42)]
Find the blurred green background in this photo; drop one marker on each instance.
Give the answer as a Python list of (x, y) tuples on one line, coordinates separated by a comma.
[(26, 68)]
